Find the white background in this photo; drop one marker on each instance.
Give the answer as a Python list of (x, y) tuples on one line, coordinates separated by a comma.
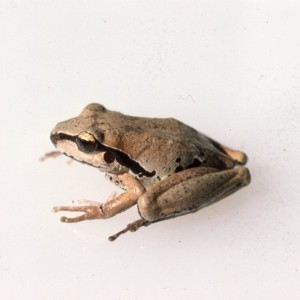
[(228, 68)]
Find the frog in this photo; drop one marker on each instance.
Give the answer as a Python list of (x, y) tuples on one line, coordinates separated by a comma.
[(164, 167)]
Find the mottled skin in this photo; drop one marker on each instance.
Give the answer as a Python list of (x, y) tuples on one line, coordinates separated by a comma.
[(165, 167)]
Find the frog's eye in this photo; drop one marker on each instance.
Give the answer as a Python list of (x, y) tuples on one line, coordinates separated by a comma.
[(86, 142), (109, 157)]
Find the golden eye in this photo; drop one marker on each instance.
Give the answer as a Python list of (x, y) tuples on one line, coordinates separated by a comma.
[(86, 142)]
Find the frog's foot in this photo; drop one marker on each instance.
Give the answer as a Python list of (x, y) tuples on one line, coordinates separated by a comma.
[(91, 212), (130, 227)]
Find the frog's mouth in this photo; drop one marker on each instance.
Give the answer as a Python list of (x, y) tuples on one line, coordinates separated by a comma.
[(122, 158)]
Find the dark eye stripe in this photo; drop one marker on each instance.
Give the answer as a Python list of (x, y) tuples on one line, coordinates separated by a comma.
[(121, 157), (109, 157), (126, 161)]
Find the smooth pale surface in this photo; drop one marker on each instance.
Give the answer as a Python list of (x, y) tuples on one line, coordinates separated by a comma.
[(228, 68)]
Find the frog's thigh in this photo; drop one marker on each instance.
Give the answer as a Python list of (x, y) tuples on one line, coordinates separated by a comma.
[(190, 194), (239, 156)]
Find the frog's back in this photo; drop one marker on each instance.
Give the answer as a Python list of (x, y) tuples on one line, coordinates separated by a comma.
[(159, 147), (124, 129)]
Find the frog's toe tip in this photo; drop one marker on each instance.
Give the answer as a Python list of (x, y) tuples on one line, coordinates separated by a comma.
[(111, 238), (55, 209), (64, 219)]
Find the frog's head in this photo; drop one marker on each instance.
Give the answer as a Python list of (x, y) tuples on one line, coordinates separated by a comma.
[(85, 139), (95, 138)]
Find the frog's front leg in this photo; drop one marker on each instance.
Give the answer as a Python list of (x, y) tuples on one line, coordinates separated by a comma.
[(134, 189), (189, 191)]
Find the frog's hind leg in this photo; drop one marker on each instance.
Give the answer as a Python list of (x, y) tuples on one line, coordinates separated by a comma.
[(190, 190), (185, 192)]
